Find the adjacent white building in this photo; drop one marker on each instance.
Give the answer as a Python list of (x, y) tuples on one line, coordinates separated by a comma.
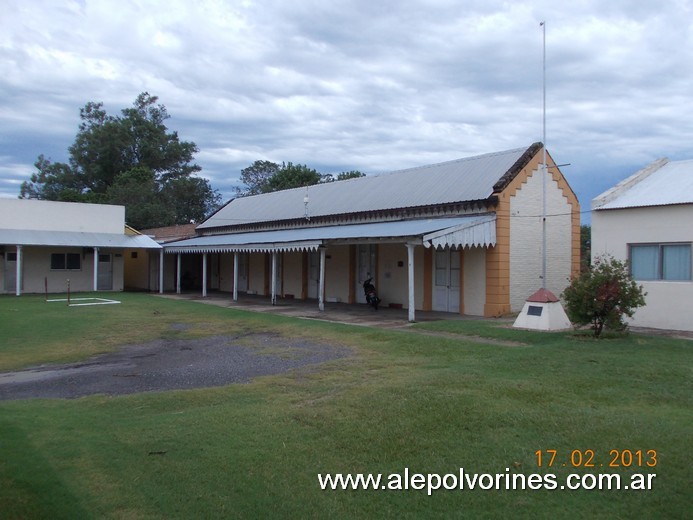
[(647, 219), (43, 244)]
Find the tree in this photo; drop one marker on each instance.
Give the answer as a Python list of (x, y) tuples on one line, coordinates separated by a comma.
[(602, 295), (256, 176), (131, 159), (292, 176), (353, 174), (266, 176)]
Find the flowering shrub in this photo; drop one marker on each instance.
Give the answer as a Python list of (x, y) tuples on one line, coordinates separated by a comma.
[(603, 295)]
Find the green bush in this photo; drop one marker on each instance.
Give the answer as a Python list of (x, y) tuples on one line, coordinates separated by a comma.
[(603, 295)]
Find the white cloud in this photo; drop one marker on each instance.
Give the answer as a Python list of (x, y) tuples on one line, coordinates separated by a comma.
[(357, 84)]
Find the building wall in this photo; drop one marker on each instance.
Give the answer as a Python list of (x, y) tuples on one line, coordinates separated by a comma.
[(668, 304), (526, 240), (136, 265), (393, 277), (256, 273), (226, 272), (503, 289), (43, 215), (292, 264), (36, 270), (337, 273), (474, 281)]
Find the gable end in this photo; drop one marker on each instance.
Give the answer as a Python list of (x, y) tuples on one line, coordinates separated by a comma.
[(517, 167)]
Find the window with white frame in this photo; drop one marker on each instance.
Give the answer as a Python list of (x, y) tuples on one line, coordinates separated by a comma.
[(661, 261), (66, 261)]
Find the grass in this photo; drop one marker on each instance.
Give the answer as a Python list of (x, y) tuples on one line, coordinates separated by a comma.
[(432, 400)]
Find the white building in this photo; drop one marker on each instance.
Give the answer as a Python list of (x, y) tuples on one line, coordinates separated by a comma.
[(647, 219), (44, 244)]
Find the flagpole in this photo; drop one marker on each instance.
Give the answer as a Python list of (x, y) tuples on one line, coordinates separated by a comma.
[(544, 168)]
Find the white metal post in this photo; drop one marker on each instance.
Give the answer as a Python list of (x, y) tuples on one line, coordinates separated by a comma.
[(235, 276), (412, 299), (204, 275), (321, 289), (274, 277), (161, 271), (18, 272), (96, 269), (178, 267), (543, 173)]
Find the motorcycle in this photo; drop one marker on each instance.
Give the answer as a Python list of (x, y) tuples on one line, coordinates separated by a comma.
[(370, 293)]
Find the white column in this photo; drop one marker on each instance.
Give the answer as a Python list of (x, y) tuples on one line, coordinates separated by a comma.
[(412, 299), (96, 268), (178, 266), (161, 271), (204, 275), (274, 277), (321, 289), (18, 272), (235, 276)]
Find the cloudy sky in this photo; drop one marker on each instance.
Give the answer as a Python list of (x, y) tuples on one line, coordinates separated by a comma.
[(373, 85)]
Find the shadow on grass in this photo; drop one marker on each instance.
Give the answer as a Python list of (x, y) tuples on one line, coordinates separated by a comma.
[(30, 488)]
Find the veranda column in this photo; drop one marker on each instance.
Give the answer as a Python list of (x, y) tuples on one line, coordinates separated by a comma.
[(18, 272), (161, 271), (204, 275), (274, 277), (96, 269), (178, 266), (321, 289), (235, 276), (412, 299)]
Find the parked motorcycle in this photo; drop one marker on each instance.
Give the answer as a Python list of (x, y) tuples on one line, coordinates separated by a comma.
[(371, 294)]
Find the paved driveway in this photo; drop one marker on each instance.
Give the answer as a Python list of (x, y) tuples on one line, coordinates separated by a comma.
[(169, 364)]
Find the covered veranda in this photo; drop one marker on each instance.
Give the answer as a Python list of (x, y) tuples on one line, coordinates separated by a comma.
[(475, 230)]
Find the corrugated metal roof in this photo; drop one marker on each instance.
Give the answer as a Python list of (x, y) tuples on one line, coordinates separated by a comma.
[(660, 184), (21, 237), (311, 238), (462, 180)]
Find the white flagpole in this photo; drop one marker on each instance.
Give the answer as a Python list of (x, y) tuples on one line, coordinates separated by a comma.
[(544, 168)]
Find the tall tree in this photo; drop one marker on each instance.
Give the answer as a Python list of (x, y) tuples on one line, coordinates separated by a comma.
[(130, 159)]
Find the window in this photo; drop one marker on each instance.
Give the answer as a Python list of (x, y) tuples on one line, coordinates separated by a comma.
[(66, 261), (660, 262)]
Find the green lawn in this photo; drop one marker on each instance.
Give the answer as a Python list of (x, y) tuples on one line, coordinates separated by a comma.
[(434, 399)]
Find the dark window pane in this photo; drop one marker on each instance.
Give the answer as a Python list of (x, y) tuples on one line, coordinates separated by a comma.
[(58, 261), (74, 261)]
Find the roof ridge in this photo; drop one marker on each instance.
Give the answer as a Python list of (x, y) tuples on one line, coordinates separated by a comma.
[(626, 184)]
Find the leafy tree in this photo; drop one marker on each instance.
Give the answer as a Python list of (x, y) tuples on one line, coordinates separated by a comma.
[(602, 295), (292, 176), (130, 159), (256, 176), (266, 176)]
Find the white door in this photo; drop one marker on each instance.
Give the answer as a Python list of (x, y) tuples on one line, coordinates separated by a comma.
[(10, 272), (104, 280), (446, 281), (366, 264), (313, 274)]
